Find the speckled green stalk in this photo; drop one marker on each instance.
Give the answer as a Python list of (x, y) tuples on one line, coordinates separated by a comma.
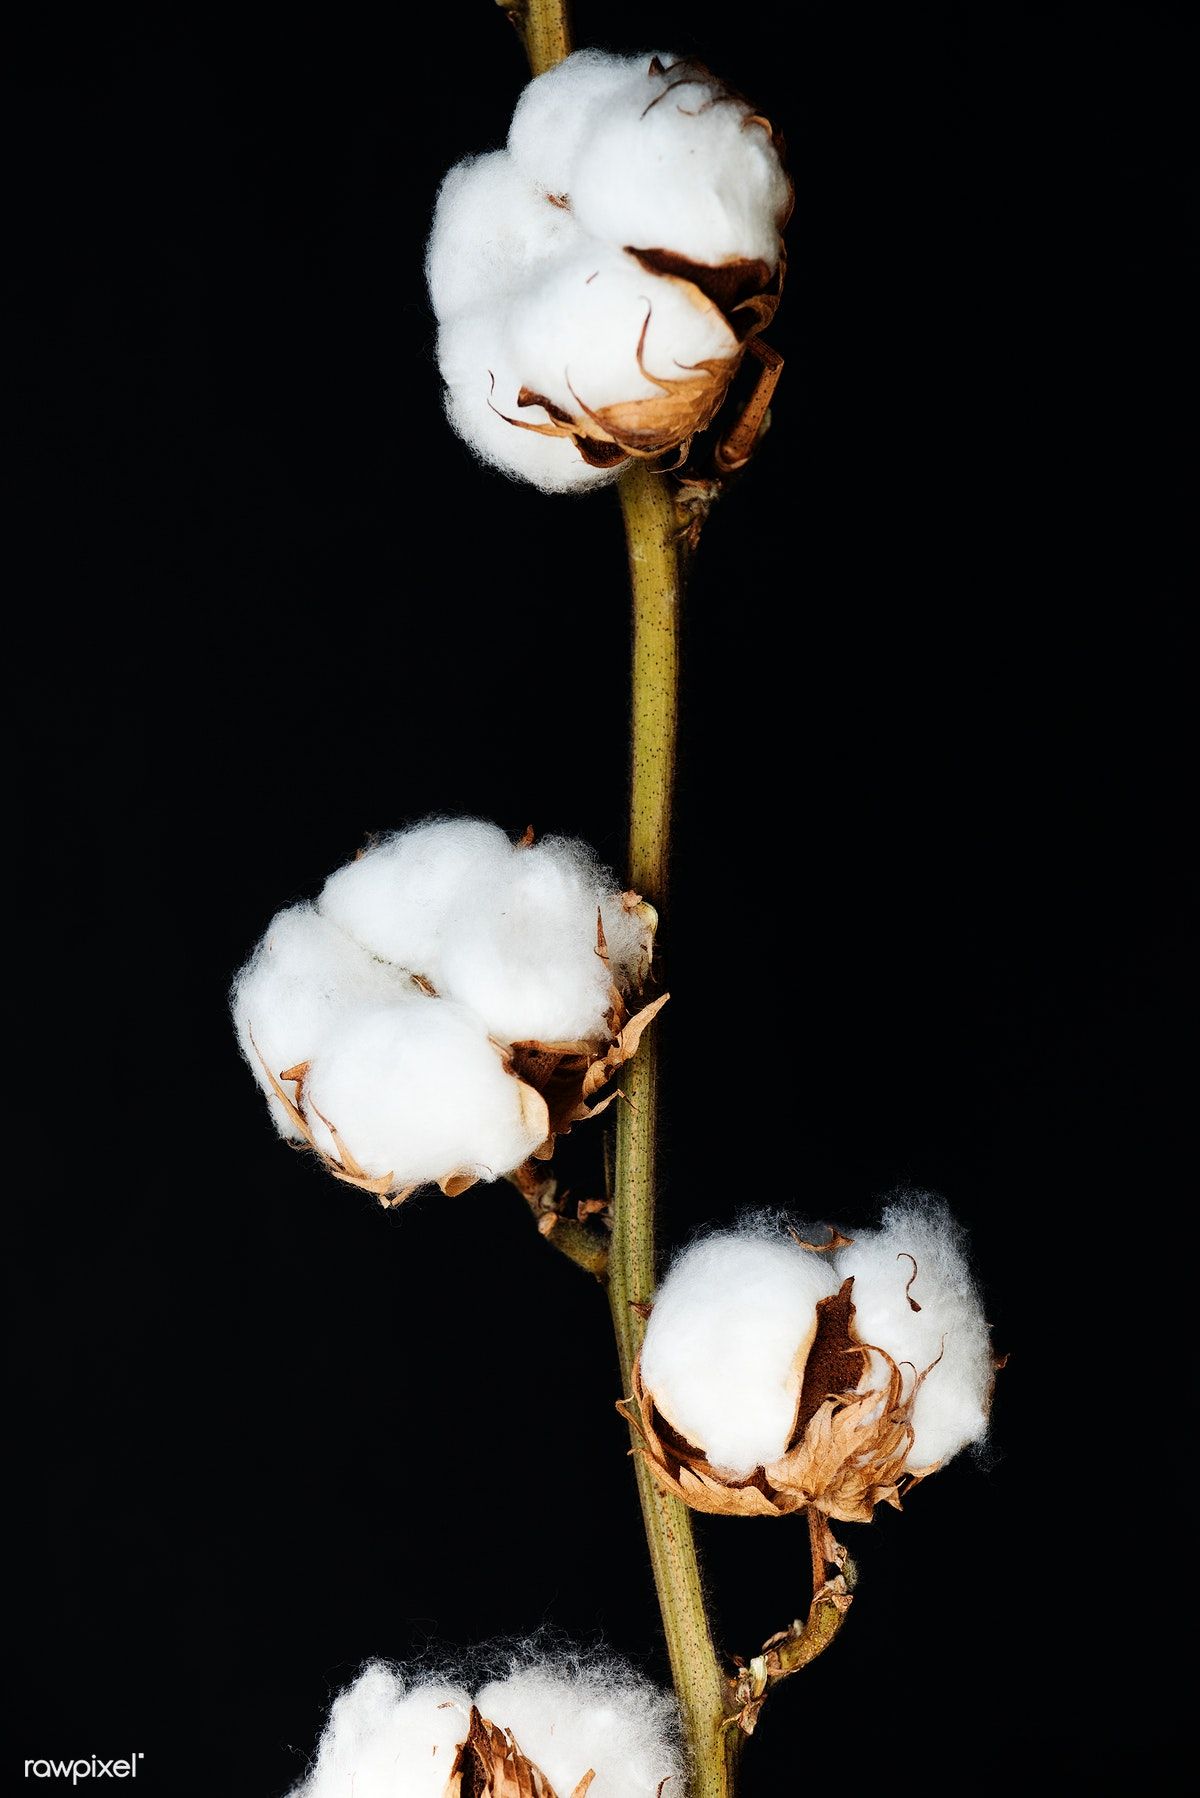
[(651, 531)]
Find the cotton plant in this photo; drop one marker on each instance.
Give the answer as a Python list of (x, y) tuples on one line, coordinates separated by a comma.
[(452, 1000)]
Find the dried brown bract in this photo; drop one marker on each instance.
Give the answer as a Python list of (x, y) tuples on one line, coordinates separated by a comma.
[(570, 1075), (490, 1765)]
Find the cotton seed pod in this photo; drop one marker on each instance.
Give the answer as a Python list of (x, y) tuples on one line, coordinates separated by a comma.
[(489, 1764), (395, 1082), (556, 1086), (847, 1450), (598, 282)]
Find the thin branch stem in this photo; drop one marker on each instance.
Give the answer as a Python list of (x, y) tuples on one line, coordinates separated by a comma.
[(544, 27), (651, 532), (651, 529)]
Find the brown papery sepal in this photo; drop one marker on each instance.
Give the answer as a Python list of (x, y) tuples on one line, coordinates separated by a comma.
[(489, 1764)]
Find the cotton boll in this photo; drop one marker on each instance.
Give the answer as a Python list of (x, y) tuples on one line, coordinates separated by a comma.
[(564, 274), (673, 163), (386, 1740), (951, 1406), (575, 336), (491, 227), (416, 1090), (526, 960), (722, 1346), (399, 897), (303, 977), (603, 1718), (482, 388), (382, 1741), (557, 113)]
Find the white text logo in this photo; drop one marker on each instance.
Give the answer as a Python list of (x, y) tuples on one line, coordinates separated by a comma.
[(94, 1768)]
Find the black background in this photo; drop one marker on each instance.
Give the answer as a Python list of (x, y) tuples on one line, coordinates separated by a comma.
[(928, 916)]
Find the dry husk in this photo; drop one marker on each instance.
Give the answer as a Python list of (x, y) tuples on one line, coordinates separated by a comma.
[(490, 1765)]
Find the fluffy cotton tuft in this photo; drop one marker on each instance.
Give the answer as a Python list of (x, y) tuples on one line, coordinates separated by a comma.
[(417, 1090), (528, 960), (303, 978), (601, 1717), (654, 161), (556, 114), (577, 337), (386, 1739), (724, 1344), (627, 188), (403, 897), (951, 1408), (503, 231), (509, 930), (481, 410)]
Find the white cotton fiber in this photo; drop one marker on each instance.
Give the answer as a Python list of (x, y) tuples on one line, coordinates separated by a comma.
[(557, 113), (577, 334), (492, 228), (671, 165), (952, 1405), (482, 385), (303, 977), (722, 1341), (388, 1740), (382, 1741), (527, 959), (508, 930), (653, 158), (602, 1718), (401, 898), (416, 1090)]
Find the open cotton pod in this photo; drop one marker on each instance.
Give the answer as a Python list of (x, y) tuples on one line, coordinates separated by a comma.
[(450, 1004), (597, 282), (562, 1728), (757, 1393)]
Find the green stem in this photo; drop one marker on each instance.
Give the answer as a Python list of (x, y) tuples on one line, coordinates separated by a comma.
[(651, 531), (544, 27)]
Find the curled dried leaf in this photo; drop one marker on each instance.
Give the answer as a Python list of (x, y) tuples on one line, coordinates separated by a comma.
[(835, 1241), (489, 1764)]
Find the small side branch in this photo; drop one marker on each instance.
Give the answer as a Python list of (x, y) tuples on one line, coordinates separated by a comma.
[(790, 1649), (578, 1229)]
